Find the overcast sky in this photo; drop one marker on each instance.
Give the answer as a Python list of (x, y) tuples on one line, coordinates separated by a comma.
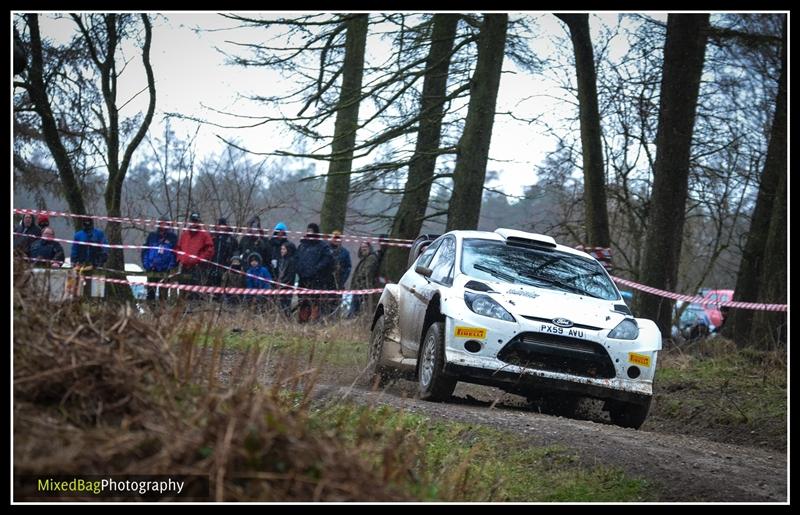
[(191, 73)]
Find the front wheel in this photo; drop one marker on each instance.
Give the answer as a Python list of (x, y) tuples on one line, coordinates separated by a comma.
[(629, 414), (434, 385)]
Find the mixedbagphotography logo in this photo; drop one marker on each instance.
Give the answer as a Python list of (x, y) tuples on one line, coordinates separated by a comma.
[(181, 487)]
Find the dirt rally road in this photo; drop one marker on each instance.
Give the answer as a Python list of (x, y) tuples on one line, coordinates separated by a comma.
[(683, 468)]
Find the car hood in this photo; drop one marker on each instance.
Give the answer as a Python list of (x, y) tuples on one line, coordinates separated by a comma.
[(541, 304)]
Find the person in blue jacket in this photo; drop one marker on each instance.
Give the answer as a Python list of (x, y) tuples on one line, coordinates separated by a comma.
[(89, 255), (160, 257), (262, 281)]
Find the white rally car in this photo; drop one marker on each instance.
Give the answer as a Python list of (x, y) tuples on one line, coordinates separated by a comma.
[(515, 310)]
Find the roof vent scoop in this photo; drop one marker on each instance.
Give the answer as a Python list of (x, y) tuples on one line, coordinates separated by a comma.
[(526, 238)]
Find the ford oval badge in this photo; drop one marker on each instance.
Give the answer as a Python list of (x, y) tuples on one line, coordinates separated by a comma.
[(562, 322)]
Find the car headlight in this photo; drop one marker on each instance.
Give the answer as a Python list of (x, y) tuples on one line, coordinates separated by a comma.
[(487, 306), (626, 330)]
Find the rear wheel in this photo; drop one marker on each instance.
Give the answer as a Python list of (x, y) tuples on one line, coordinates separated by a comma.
[(434, 385), (379, 375), (629, 414)]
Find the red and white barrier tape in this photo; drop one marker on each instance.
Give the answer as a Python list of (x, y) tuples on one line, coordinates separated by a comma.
[(113, 246), (700, 300), (232, 291), (287, 289), (244, 231), (631, 284)]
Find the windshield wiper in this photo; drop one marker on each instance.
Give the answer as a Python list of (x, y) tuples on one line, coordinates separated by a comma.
[(497, 273)]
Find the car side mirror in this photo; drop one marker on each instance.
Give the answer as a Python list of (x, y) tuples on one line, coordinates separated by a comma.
[(421, 270)]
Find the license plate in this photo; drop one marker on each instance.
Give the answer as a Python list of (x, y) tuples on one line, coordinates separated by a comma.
[(565, 331)]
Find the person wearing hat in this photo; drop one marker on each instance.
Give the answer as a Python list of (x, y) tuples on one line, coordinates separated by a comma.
[(275, 244), (259, 278), (160, 256), (89, 255), (42, 220), (195, 246), (26, 233), (234, 279), (256, 240), (315, 268), (225, 246)]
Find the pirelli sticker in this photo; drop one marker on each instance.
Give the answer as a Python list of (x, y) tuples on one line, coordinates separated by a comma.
[(470, 332), (639, 359)]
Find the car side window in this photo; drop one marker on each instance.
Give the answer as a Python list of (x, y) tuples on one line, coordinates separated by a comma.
[(444, 262), (425, 258)]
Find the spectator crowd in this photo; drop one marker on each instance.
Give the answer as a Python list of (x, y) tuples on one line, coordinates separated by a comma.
[(258, 260)]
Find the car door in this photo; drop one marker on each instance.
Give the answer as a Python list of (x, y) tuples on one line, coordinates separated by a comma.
[(409, 298), (442, 265)]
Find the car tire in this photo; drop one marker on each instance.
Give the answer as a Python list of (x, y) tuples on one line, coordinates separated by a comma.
[(378, 375), (434, 384), (628, 414)]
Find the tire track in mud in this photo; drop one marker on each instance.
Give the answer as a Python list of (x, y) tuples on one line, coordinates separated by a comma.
[(682, 468)]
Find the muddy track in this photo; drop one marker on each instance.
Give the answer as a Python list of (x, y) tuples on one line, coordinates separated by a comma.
[(682, 468)]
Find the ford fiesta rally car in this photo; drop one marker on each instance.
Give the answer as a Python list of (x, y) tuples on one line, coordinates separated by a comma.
[(515, 310)]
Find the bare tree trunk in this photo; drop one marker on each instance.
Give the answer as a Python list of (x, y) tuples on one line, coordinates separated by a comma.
[(684, 53), (38, 93), (337, 188), (409, 218), (594, 180), (20, 54), (769, 329), (118, 169), (753, 266), (473, 147)]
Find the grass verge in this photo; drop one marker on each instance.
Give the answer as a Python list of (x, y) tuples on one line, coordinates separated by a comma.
[(715, 390)]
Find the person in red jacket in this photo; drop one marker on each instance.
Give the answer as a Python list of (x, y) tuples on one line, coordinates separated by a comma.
[(194, 241)]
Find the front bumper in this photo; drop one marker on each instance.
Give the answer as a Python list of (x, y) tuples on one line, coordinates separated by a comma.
[(527, 354)]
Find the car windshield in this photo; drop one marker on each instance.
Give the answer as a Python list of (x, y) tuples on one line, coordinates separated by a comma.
[(692, 313), (551, 269)]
